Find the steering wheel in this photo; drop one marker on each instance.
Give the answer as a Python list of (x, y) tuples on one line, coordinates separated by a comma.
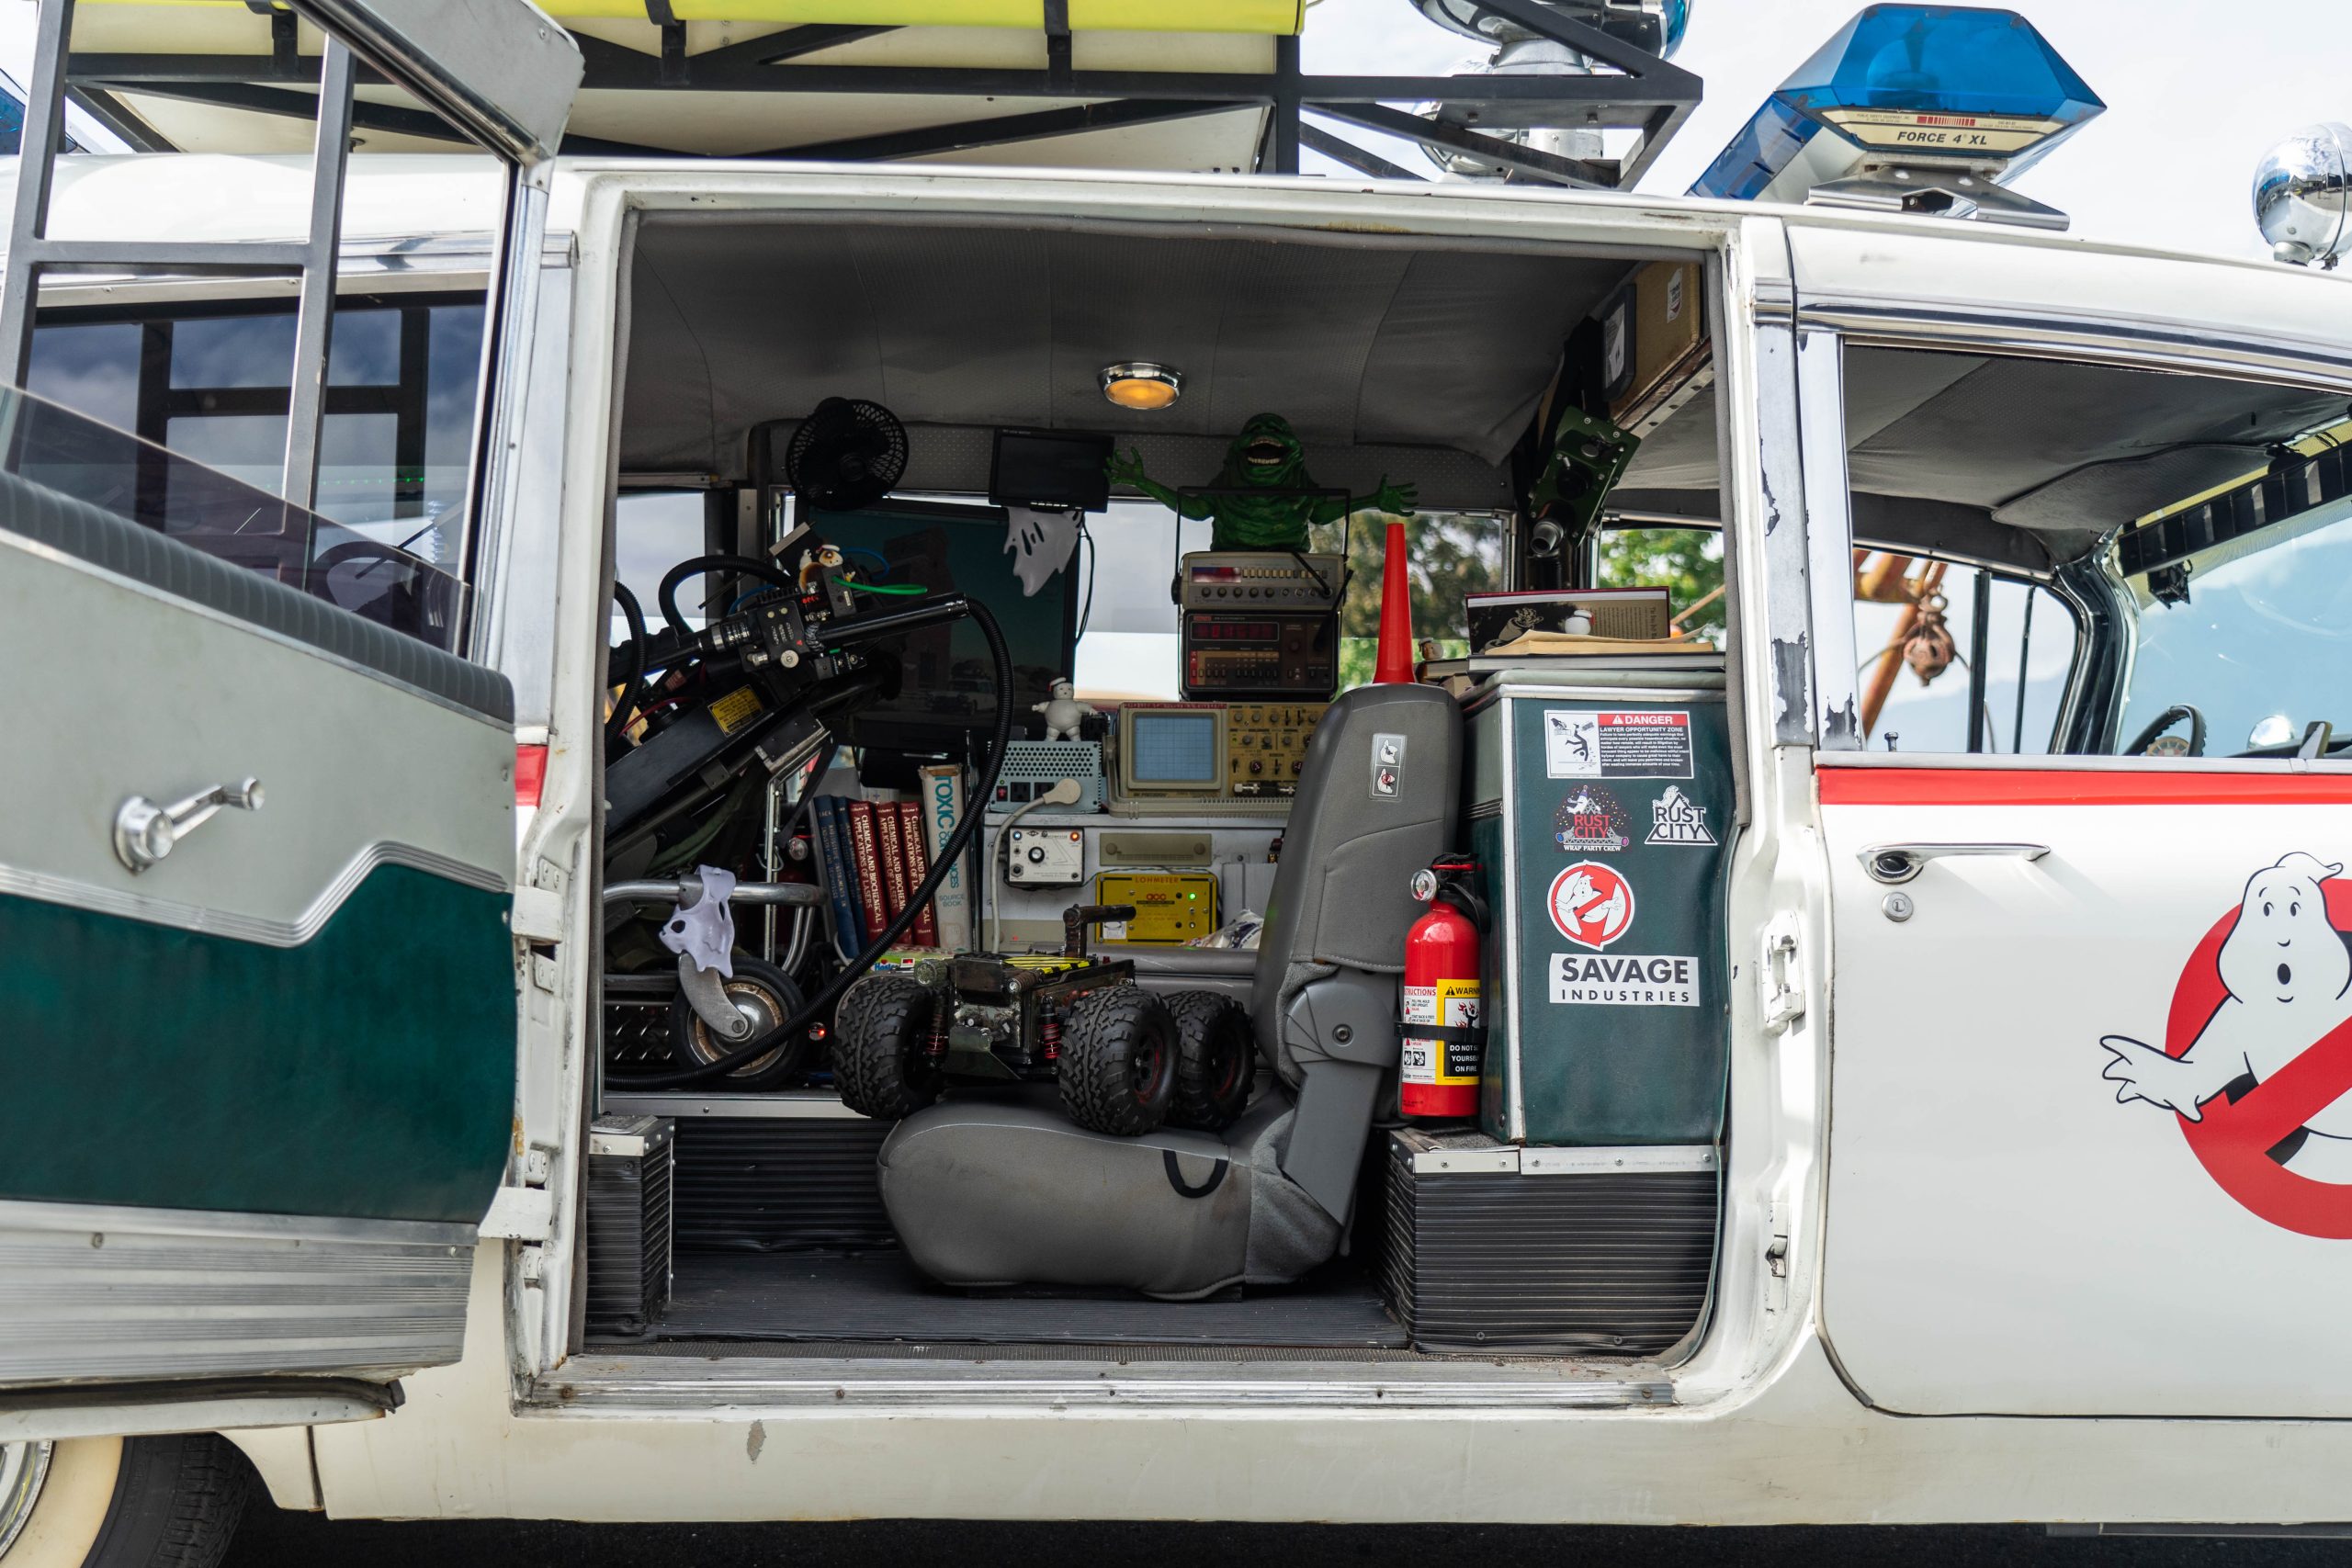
[(2147, 743)]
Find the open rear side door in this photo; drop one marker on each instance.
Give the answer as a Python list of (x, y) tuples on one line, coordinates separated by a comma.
[(260, 1088), (257, 1004)]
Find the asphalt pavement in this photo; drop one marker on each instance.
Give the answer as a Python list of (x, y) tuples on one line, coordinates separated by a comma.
[(273, 1539)]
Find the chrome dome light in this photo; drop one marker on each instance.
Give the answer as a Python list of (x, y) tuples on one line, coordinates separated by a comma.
[(1142, 384), (2303, 195)]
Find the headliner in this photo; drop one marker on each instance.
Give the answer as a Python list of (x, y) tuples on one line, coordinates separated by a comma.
[(2023, 462), (1387, 356)]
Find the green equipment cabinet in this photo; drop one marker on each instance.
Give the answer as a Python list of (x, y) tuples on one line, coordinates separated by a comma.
[(1601, 804)]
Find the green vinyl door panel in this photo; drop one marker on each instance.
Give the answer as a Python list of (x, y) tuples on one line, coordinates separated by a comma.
[(1601, 807), (261, 1090)]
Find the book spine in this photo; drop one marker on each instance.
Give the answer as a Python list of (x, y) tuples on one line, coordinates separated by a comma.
[(889, 849), (841, 884), (868, 869), (918, 864), (943, 803)]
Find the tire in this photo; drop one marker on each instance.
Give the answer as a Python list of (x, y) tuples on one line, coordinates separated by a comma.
[(1216, 1061), (131, 1503), (882, 1047), (768, 994), (1117, 1071)]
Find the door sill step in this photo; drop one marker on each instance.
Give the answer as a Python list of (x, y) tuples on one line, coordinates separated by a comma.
[(613, 1384)]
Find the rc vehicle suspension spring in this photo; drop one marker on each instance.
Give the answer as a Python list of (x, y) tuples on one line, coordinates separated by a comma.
[(1049, 1035)]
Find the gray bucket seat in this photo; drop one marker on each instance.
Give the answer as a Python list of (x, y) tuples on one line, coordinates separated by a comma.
[(990, 1192)]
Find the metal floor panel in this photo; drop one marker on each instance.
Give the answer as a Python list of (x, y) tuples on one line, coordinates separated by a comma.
[(879, 1296)]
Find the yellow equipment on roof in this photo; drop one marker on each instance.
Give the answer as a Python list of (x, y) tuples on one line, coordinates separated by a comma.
[(1279, 16)]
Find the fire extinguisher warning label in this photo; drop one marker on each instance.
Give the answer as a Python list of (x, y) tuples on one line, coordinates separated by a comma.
[(1648, 745), (1448, 1004), (1633, 980)]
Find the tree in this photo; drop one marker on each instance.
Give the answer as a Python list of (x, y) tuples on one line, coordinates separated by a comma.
[(1451, 553), (1687, 562)]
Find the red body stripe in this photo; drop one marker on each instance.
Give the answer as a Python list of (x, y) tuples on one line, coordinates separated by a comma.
[(2038, 786)]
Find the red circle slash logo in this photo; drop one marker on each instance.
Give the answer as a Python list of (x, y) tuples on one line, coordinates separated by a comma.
[(2256, 1061), (1592, 904)]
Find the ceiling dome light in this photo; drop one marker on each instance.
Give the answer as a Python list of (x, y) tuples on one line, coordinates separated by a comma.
[(1141, 384)]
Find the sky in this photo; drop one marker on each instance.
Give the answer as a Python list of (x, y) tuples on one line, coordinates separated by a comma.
[(2196, 92)]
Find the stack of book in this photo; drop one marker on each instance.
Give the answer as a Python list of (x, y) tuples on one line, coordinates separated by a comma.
[(874, 852)]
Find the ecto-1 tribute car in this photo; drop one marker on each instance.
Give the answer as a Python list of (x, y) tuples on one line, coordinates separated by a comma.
[(1913, 1013)]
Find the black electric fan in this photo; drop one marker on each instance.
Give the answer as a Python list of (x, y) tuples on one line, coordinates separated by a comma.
[(847, 453)]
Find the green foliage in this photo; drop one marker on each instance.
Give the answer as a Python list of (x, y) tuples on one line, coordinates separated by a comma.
[(1451, 554), (1688, 562)]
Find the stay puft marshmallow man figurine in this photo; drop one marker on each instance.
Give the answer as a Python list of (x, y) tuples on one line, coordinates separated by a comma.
[(1063, 713), (2288, 974)]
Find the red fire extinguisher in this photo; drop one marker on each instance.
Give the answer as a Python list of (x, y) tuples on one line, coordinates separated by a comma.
[(1445, 1039)]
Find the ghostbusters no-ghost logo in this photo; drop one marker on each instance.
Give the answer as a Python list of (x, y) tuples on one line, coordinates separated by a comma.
[(2258, 1055), (1592, 904)]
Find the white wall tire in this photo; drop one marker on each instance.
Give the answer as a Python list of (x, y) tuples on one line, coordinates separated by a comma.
[(58, 1519), (124, 1503)]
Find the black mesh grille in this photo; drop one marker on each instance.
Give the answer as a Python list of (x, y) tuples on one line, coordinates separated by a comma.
[(1614, 1264), (780, 1184), (629, 1236)]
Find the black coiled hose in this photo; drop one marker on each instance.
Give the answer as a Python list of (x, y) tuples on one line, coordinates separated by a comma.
[(630, 699), (742, 566), (950, 854)]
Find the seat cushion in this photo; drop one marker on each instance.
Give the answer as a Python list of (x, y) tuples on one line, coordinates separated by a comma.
[(1000, 1192)]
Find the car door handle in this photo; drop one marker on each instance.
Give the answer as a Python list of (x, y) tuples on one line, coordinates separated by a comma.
[(144, 832), (1893, 864)]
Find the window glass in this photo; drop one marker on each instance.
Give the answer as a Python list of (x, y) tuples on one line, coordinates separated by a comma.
[(653, 531), (397, 433), (1914, 637), (1688, 562), (1128, 644), (2209, 496), (2257, 639), (1452, 554)]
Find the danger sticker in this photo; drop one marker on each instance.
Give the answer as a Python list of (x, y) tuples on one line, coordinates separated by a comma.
[(1627, 979), (1632, 745)]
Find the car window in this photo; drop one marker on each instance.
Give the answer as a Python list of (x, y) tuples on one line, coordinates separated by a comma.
[(210, 383), (1688, 562), (1915, 635), (2256, 637)]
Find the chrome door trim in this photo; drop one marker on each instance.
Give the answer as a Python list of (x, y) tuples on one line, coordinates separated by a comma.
[(74, 894), (2130, 341)]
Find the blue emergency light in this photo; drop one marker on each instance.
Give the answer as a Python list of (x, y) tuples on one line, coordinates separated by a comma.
[(1912, 108)]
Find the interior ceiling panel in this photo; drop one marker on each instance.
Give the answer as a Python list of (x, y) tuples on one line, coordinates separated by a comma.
[(1361, 347), (1948, 451)]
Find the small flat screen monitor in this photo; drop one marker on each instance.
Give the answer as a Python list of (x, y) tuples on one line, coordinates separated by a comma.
[(1050, 469), (1172, 750), (946, 700)]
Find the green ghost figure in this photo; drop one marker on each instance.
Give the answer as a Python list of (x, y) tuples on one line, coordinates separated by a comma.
[(1266, 455)]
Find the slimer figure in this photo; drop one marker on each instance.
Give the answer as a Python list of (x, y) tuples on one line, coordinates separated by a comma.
[(1266, 455)]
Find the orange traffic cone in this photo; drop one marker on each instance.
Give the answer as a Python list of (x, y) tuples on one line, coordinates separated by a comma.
[(1396, 664)]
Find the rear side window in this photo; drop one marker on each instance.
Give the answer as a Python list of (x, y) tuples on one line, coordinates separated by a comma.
[(183, 430)]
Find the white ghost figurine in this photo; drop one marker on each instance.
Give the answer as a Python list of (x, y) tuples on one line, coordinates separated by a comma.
[(705, 930), (1040, 541), (2289, 977), (1063, 712)]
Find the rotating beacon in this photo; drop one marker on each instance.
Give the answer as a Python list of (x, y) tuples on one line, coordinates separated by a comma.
[(1445, 1039)]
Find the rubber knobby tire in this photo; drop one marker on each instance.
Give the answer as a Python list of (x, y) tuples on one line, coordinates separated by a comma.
[(881, 1045), (1216, 1060), (1117, 1071)]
